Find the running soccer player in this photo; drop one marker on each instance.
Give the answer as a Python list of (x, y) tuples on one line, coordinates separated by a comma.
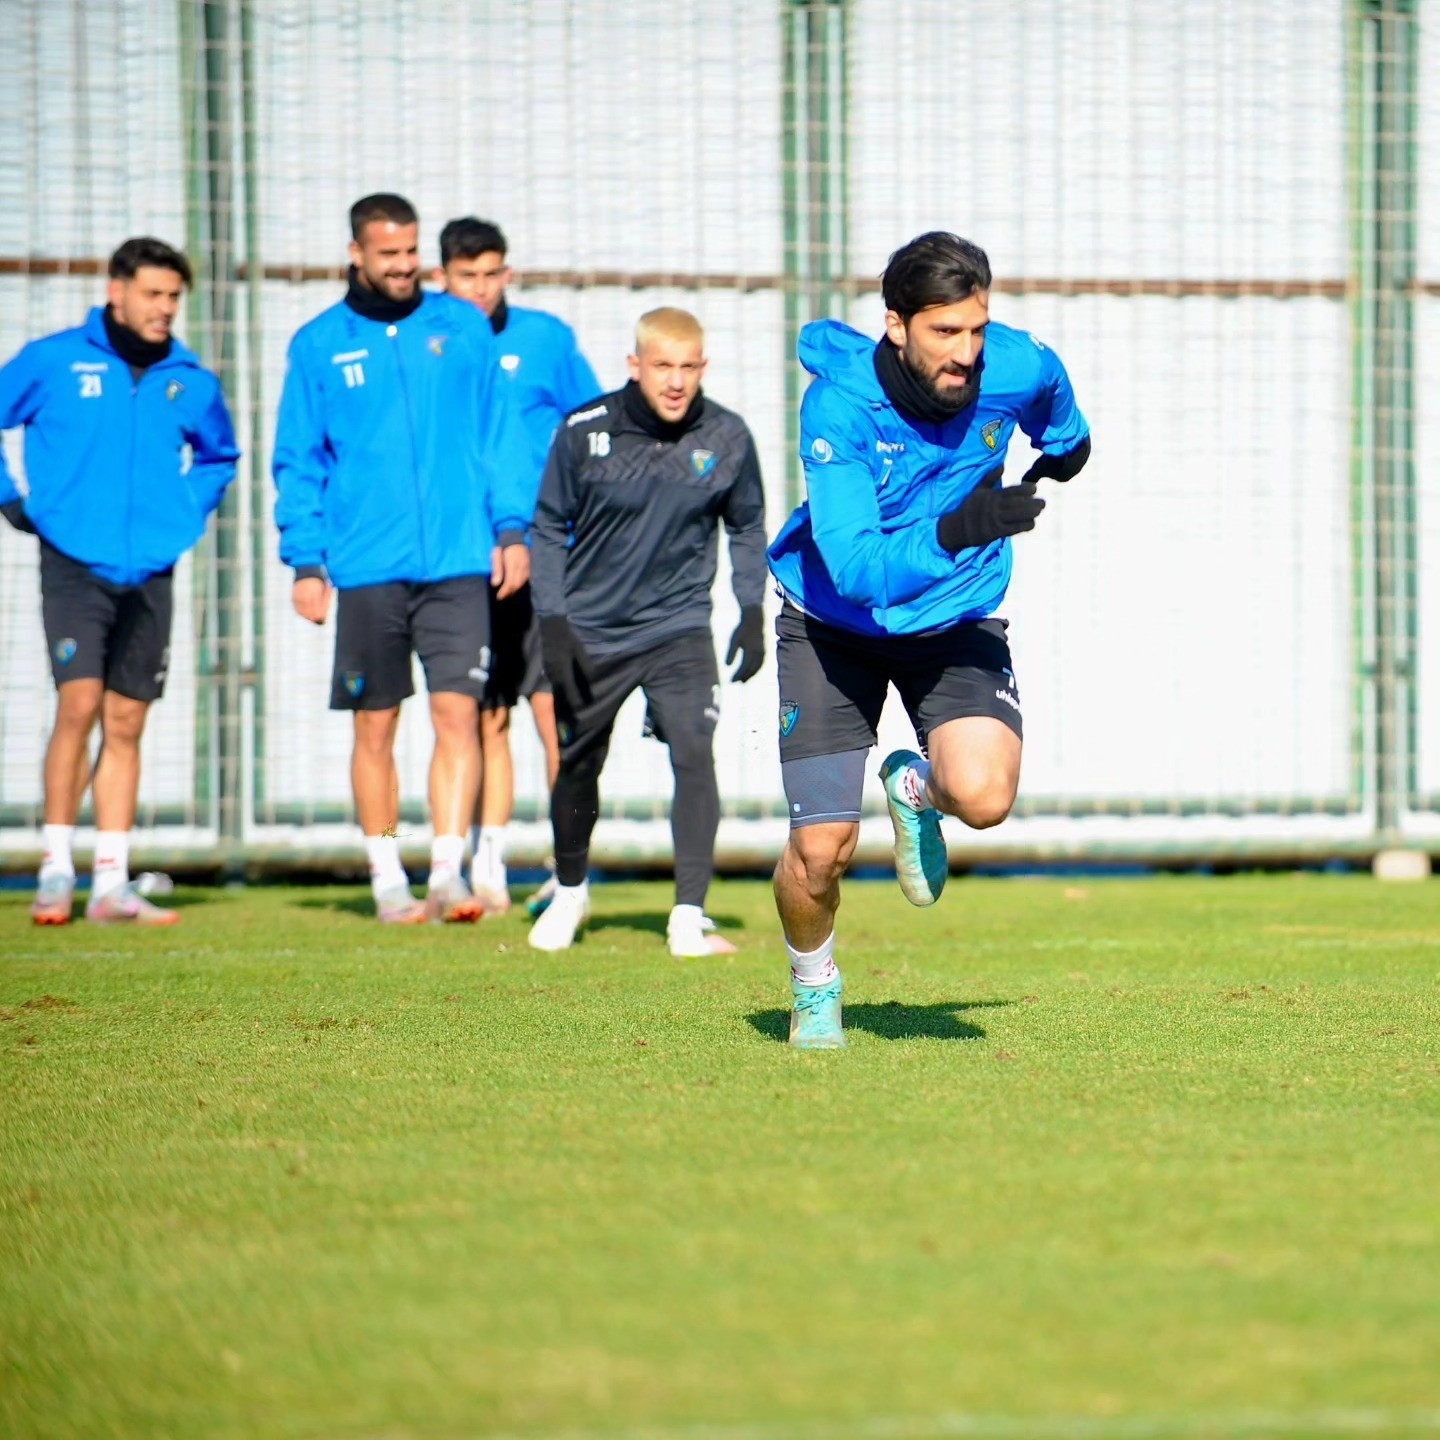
[(128, 450), (626, 530), (891, 573), (403, 479), (548, 377)]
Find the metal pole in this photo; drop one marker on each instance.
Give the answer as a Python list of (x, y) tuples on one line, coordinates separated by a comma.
[(1384, 158), (255, 347), (219, 269), (815, 65)]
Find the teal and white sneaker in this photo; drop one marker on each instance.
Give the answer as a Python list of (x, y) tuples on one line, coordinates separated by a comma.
[(539, 902), (815, 1018), (920, 863)]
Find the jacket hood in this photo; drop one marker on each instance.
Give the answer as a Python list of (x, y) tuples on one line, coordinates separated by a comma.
[(180, 353), (843, 356)]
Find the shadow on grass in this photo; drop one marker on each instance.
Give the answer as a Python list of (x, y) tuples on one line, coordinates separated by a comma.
[(649, 922), (185, 899), (359, 904), (894, 1020)]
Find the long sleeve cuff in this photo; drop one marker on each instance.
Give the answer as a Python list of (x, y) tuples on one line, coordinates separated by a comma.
[(14, 512), (310, 572), (510, 537)]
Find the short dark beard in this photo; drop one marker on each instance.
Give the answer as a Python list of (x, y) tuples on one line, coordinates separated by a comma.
[(947, 398), (384, 288)]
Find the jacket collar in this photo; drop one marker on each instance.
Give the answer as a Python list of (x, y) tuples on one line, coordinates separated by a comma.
[(94, 328)]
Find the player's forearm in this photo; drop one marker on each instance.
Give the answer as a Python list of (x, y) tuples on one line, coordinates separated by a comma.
[(547, 579), (300, 522), (748, 569)]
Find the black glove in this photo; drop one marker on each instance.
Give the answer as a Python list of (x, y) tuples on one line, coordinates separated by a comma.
[(567, 666), (988, 513), (1060, 467), (748, 642), (14, 512)]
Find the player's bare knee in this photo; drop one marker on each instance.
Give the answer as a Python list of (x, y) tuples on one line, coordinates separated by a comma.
[(78, 708), (455, 717), (122, 719), (984, 805), (375, 733), (819, 855)]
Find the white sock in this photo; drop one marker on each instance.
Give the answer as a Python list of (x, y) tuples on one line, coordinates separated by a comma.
[(490, 856), (447, 853), (813, 967), (59, 852), (112, 862), (577, 894), (912, 785), (685, 915), (386, 871)]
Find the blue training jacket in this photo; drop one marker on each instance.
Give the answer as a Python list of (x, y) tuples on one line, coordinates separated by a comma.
[(861, 552), (548, 375), (123, 473), (398, 451)]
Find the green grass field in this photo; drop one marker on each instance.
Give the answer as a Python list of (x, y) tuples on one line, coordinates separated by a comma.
[(1114, 1158)]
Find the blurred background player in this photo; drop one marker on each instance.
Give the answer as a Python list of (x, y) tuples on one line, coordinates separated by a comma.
[(891, 572), (109, 410), (547, 377), (626, 531), (403, 478)]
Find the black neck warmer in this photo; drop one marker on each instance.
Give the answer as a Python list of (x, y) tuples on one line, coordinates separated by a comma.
[(374, 306), (138, 354), (638, 409), (907, 392), (501, 317)]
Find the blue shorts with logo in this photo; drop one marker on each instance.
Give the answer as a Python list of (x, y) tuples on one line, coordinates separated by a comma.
[(833, 685), (445, 622), (119, 634)]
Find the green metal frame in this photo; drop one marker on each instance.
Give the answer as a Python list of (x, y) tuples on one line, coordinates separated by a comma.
[(815, 159), (1382, 154), (218, 87)]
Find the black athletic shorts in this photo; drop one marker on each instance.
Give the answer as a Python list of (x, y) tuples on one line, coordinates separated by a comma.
[(445, 622), (833, 682), (98, 631), (516, 670), (682, 693)]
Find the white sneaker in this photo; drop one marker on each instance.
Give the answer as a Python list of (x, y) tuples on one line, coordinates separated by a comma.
[(491, 888), (563, 917), (691, 932)]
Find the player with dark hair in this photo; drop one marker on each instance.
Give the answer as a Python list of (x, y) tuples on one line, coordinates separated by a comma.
[(636, 488), (128, 450), (892, 572), (547, 377), (403, 479)]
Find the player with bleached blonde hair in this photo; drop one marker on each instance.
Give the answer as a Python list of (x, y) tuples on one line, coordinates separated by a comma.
[(625, 540)]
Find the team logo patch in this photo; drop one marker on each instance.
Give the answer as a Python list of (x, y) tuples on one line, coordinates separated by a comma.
[(174, 390), (702, 462), (990, 434), (820, 450), (789, 714), (509, 363), (437, 344), (65, 650), (354, 682)]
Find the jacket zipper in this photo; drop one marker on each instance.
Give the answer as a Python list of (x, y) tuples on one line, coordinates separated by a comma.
[(130, 489), (394, 333)]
